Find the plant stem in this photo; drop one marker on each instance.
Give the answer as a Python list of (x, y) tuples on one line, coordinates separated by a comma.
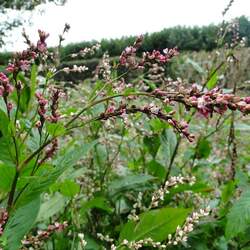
[(172, 159), (12, 191), (103, 100)]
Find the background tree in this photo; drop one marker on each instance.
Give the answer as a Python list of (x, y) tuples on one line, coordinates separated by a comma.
[(7, 6)]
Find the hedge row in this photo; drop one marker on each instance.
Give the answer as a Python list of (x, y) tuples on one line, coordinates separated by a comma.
[(185, 38)]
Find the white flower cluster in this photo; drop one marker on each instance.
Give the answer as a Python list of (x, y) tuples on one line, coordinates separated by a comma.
[(137, 205), (104, 237), (173, 181), (189, 197), (79, 69), (83, 242), (153, 108), (88, 183), (121, 85), (85, 51), (181, 234), (105, 67), (140, 243)]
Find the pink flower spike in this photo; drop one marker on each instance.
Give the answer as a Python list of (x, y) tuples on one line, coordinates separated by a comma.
[(24, 65), (10, 68), (247, 99), (3, 78), (1, 90), (9, 106)]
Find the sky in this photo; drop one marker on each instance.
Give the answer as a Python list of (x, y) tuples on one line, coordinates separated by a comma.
[(97, 19)]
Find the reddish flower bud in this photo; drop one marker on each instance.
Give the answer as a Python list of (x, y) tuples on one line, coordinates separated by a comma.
[(10, 68)]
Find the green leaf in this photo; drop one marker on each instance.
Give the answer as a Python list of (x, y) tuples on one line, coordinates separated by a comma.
[(20, 223), (197, 187), (152, 143), (7, 150), (238, 219), (25, 98), (130, 182), (55, 129), (69, 188), (4, 124), (157, 125), (196, 66), (156, 169), (155, 224), (168, 144), (97, 202), (203, 148), (6, 176), (227, 191), (91, 243), (212, 81), (51, 207), (47, 177)]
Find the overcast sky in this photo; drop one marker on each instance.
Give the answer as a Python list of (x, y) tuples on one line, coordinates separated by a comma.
[(97, 19)]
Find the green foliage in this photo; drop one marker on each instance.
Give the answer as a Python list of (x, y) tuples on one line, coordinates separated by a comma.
[(51, 207), (213, 80), (156, 224), (115, 163), (131, 182), (97, 202), (6, 177), (238, 219), (20, 223), (203, 148)]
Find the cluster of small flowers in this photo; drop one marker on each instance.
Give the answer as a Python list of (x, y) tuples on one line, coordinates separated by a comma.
[(42, 103), (189, 197), (79, 69), (181, 233), (216, 101), (83, 242), (42, 107), (86, 51), (5, 89), (128, 56), (56, 94), (3, 220), (180, 236), (136, 206), (156, 73), (150, 110), (50, 152), (104, 238), (145, 242), (41, 44), (104, 68), (121, 85), (180, 127), (22, 60), (157, 56), (88, 183), (42, 235), (173, 181)]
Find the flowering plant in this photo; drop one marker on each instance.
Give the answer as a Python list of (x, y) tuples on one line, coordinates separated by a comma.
[(48, 175)]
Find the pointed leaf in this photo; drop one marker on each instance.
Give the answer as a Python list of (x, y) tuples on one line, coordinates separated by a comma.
[(155, 224)]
